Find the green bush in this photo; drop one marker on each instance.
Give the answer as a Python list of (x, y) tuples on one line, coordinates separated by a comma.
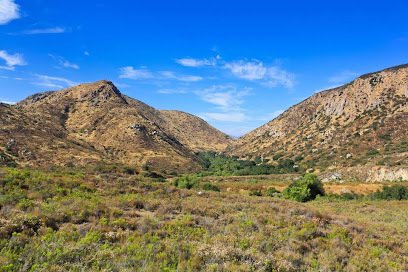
[(255, 193), (272, 192), (186, 182), (210, 187), (304, 189), (372, 152), (394, 192)]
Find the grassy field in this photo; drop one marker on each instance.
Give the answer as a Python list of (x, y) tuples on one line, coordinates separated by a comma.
[(75, 221)]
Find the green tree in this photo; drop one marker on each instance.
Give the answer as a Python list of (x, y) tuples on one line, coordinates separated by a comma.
[(304, 189)]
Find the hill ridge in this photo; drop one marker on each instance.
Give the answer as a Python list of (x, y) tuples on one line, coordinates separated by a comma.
[(350, 121), (94, 122)]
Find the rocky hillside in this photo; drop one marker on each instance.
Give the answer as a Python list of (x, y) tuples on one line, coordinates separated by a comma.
[(90, 123), (364, 122), (194, 132)]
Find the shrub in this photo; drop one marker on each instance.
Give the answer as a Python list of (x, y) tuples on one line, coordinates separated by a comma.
[(129, 170), (372, 152), (186, 182), (394, 192), (210, 187), (272, 192), (255, 193), (304, 189), (277, 157)]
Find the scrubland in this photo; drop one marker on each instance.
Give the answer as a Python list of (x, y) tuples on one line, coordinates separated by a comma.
[(70, 220)]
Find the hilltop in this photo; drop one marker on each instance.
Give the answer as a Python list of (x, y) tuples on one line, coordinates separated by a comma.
[(95, 122)]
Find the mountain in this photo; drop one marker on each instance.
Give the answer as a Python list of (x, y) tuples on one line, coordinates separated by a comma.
[(95, 122), (364, 122)]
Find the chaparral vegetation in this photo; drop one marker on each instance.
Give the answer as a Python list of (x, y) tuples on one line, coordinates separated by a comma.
[(80, 220)]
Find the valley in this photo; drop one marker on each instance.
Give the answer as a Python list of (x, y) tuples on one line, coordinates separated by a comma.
[(93, 180)]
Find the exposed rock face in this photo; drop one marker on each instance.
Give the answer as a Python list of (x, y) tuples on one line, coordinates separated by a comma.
[(94, 122), (367, 174), (364, 122)]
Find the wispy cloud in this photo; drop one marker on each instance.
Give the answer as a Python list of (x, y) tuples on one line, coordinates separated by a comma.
[(64, 63), (227, 100), (224, 116), (9, 11), (130, 72), (11, 60), (49, 30), (173, 91), (86, 53), (185, 78), (53, 82), (247, 70), (270, 76), (191, 62), (68, 64), (224, 97), (342, 77)]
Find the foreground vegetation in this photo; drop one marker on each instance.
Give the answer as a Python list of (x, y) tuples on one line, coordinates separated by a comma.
[(75, 221)]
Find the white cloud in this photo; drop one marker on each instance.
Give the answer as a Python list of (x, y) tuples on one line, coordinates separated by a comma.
[(191, 62), (9, 11), (247, 70), (185, 78), (11, 60), (224, 97), (10, 68), (342, 77), (172, 91), (270, 76), (131, 73), (64, 63), (50, 30), (68, 64), (276, 77), (224, 116), (227, 100), (86, 53), (53, 82)]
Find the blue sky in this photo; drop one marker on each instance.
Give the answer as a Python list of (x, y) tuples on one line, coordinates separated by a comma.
[(237, 64)]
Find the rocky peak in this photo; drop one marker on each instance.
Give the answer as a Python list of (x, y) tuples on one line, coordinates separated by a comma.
[(32, 99), (97, 92)]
